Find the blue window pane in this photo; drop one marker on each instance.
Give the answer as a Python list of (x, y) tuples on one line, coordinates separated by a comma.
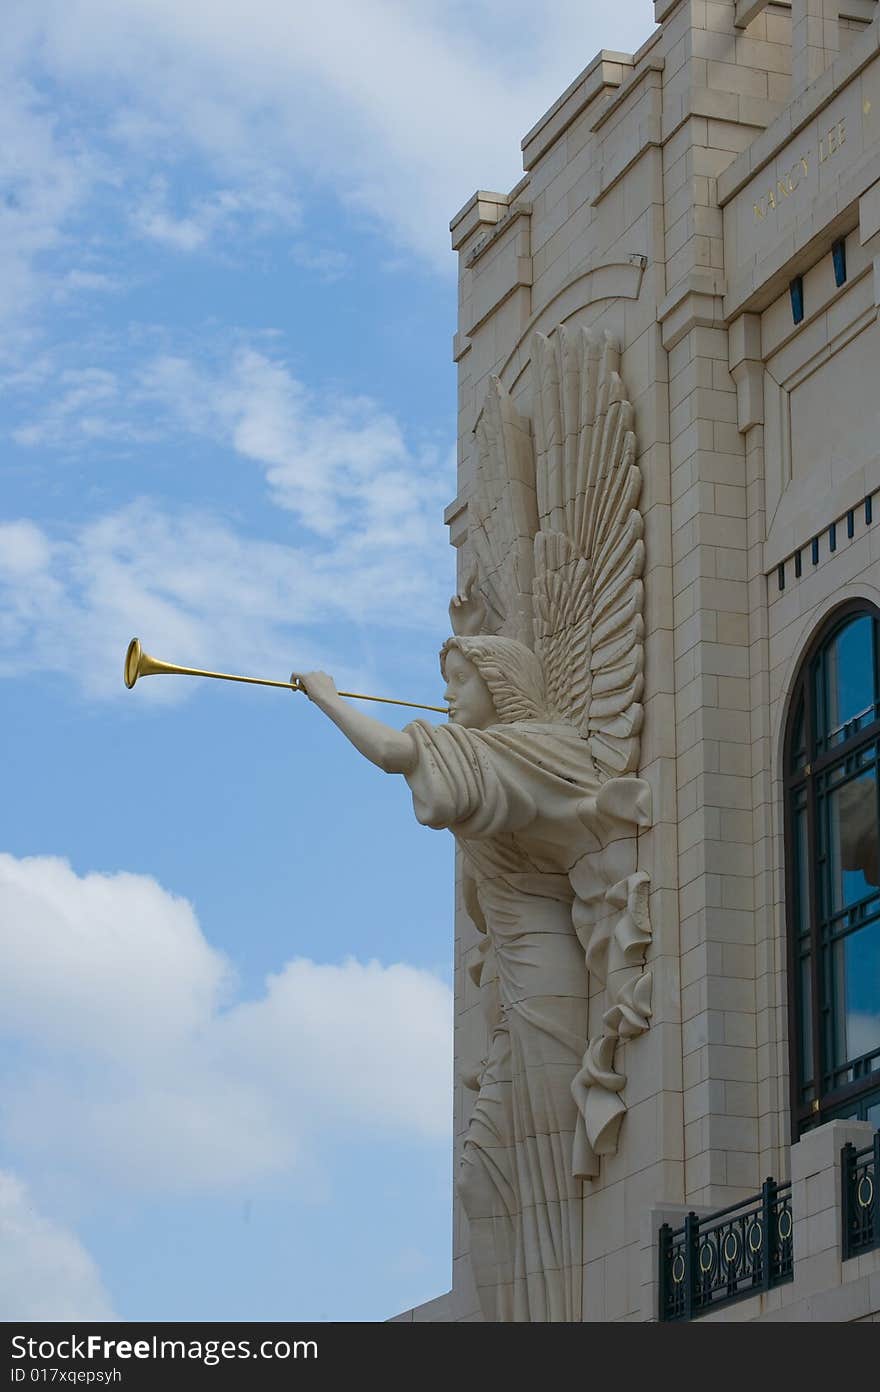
[(845, 680), (857, 994), (852, 842)]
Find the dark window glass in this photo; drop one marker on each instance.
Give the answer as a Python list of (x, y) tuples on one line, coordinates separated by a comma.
[(833, 834), (851, 871), (845, 682), (857, 1009)]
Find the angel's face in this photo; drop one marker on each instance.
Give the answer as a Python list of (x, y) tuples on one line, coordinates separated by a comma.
[(469, 699)]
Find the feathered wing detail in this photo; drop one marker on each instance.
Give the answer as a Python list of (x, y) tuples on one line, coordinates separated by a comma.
[(556, 534), (589, 552), (502, 515), (562, 623)]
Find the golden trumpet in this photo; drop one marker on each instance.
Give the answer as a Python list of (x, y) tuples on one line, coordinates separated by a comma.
[(141, 664)]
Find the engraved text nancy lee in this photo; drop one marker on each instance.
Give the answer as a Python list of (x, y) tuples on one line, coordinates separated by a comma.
[(830, 144)]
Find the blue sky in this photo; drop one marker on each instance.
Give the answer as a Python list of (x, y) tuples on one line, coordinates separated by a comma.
[(227, 409)]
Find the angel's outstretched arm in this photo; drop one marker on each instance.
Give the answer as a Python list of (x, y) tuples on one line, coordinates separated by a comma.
[(392, 750)]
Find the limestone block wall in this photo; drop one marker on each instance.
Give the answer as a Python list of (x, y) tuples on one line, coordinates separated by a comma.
[(807, 410), (596, 256)]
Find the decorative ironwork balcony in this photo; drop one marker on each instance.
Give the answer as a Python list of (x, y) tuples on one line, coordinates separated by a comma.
[(725, 1256), (860, 1199)]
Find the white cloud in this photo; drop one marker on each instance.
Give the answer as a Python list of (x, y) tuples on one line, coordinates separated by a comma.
[(338, 463), (75, 280), (45, 1272), (370, 546), (79, 411), (151, 219), (197, 592), (25, 552), (87, 960), (400, 110), (327, 263), (138, 1067), (46, 177), (224, 211)]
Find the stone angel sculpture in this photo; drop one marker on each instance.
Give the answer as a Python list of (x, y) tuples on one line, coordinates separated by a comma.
[(535, 777)]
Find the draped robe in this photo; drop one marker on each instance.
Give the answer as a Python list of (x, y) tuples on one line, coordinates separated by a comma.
[(515, 797)]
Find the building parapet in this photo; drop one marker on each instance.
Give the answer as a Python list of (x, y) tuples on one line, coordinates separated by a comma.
[(607, 70)]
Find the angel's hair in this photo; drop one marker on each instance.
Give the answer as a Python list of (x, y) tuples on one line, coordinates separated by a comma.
[(511, 671)]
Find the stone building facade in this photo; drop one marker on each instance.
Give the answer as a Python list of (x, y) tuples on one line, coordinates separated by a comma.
[(714, 201)]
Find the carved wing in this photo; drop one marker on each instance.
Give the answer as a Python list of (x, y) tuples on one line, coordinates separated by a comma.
[(502, 515), (589, 552)]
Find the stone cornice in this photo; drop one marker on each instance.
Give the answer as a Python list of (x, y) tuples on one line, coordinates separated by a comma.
[(694, 303), (626, 88), (716, 106), (482, 209), (634, 141), (516, 210), (664, 8), (606, 70)]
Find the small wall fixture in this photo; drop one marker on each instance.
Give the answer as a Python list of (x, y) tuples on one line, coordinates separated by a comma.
[(796, 290), (838, 255)]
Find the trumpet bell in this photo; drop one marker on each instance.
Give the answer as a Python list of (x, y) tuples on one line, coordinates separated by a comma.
[(133, 662), (139, 664)]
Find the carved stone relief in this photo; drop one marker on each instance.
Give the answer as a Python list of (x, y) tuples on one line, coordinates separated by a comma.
[(554, 606), (535, 775)]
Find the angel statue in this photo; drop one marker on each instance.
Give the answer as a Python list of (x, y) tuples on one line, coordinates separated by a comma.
[(535, 777)]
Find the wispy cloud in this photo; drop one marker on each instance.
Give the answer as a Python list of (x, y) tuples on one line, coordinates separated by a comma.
[(327, 263), (397, 111), (45, 1272), (80, 411), (46, 177), (338, 462), (76, 279), (222, 211), (70, 601), (145, 1068), (366, 532)]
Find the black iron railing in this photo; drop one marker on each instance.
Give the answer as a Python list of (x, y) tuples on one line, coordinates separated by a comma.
[(860, 1199), (724, 1256)]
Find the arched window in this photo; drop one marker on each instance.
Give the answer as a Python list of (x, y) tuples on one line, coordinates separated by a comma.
[(832, 748)]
